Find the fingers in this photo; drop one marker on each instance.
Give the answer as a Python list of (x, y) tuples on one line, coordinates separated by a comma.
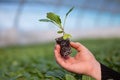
[(76, 46), (57, 47), (58, 57)]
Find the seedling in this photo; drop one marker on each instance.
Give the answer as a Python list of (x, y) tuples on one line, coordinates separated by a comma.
[(63, 41)]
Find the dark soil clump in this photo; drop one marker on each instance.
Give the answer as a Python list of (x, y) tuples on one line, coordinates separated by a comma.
[(65, 46)]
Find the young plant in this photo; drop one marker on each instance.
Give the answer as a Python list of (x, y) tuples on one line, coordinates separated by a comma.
[(63, 41)]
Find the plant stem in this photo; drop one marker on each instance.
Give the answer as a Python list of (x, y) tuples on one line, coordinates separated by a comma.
[(63, 32), (64, 22), (64, 25)]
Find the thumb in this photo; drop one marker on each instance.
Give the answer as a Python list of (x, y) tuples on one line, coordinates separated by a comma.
[(77, 46)]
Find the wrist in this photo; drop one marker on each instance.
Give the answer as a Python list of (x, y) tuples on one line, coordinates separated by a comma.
[(96, 71)]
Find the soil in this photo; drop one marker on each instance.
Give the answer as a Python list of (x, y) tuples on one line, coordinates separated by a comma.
[(65, 49)]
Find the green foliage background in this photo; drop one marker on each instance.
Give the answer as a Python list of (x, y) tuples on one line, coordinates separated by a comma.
[(36, 62)]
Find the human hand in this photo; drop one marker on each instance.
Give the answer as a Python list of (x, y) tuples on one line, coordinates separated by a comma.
[(82, 63)]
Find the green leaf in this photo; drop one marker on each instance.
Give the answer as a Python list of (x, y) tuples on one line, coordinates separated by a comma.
[(69, 77), (84, 77), (54, 18), (66, 36), (67, 15), (56, 73), (59, 32), (69, 11), (45, 20)]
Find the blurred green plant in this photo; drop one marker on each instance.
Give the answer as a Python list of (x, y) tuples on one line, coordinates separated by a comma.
[(36, 62)]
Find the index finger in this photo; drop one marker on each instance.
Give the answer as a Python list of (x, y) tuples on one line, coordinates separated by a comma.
[(77, 46)]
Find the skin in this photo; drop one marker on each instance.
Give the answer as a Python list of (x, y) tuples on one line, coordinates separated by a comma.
[(82, 63)]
